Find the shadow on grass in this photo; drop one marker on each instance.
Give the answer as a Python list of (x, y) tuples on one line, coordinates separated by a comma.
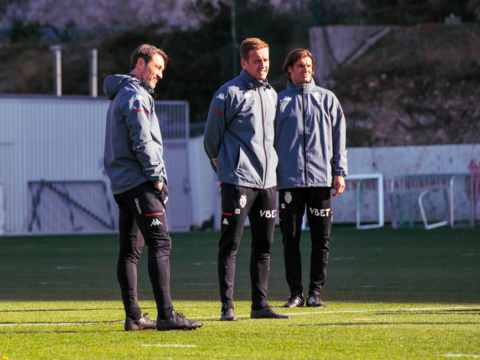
[(371, 266)]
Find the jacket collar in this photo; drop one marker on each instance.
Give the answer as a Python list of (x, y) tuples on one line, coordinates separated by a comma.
[(300, 88), (144, 85), (250, 82)]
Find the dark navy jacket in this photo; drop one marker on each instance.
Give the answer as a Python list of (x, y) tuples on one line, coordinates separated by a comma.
[(310, 137), (240, 133)]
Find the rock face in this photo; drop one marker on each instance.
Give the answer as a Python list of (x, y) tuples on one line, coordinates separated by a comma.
[(123, 14), (417, 86)]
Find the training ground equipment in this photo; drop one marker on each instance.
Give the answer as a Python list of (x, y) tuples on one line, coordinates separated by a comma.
[(434, 199)]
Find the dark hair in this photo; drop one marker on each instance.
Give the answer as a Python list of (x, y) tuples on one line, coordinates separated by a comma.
[(251, 44), (146, 52), (295, 55)]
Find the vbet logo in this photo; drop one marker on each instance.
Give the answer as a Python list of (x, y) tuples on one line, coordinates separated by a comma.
[(268, 213), (319, 212)]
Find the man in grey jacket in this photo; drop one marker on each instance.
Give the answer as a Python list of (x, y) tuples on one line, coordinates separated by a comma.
[(239, 142), (133, 161), (310, 143)]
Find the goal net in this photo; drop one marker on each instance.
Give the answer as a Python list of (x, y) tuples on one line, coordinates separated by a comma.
[(70, 207), (432, 200)]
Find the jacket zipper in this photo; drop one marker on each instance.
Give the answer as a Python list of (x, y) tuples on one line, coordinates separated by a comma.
[(304, 142), (264, 147)]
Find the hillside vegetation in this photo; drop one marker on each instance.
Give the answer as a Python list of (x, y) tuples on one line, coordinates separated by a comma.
[(420, 85)]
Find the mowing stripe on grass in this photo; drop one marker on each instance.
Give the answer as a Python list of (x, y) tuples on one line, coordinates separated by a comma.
[(171, 345), (462, 355), (360, 311), (246, 316)]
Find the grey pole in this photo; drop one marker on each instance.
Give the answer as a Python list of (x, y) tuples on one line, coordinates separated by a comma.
[(57, 69), (234, 40), (94, 73)]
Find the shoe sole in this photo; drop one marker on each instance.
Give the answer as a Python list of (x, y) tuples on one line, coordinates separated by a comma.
[(184, 329), (138, 328), (286, 306), (228, 319)]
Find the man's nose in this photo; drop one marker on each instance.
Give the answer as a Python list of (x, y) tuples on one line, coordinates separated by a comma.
[(160, 75)]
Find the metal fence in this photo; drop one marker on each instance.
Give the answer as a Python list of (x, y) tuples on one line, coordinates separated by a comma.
[(57, 141)]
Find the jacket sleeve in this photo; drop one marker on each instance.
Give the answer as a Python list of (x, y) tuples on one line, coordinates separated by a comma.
[(136, 112), (339, 135), (215, 127)]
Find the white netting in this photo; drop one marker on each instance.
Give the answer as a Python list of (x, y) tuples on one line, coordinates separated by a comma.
[(443, 198), (70, 207)]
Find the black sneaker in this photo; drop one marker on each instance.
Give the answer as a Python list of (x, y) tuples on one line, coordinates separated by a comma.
[(143, 324), (227, 314), (177, 322), (267, 313), (294, 301), (314, 300)]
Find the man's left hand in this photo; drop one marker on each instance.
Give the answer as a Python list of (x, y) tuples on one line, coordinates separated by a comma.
[(338, 185)]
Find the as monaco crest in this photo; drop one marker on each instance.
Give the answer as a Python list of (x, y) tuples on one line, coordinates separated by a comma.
[(288, 197), (243, 201)]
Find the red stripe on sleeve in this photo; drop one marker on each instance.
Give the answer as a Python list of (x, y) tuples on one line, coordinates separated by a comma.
[(154, 214), (226, 214), (217, 112), (145, 111)]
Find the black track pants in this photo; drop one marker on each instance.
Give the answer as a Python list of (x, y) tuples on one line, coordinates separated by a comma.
[(319, 215), (143, 208), (260, 206)]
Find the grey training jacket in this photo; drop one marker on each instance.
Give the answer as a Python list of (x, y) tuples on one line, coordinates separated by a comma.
[(310, 137), (240, 133), (133, 142)]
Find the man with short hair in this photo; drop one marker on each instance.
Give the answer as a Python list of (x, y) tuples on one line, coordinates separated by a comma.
[(310, 143), (133, 161), (239, 142)]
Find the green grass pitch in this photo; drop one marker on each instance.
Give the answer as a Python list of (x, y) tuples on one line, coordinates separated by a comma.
[(390, 294)]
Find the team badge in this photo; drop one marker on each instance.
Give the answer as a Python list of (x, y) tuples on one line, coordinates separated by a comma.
[(243, 201), (288, 197)]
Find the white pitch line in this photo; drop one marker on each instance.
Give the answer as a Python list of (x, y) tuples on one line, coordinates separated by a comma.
[(62, 323), (462, 356), (170, 345), (246, 316), (356, 311)]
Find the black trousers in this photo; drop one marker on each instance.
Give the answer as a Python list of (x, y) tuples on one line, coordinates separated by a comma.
[(260, 206), (143, 208), (319, 214)]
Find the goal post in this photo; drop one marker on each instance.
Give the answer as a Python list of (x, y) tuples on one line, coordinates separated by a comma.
[(433, 200), (70, 207), (360, 193)]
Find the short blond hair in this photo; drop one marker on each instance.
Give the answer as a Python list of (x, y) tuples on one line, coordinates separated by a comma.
[(146, 52), (251, 44), (295, 55)]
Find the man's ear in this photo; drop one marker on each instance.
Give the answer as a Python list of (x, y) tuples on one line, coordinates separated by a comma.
[(140, 63), (244, 63), (289, 69)]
